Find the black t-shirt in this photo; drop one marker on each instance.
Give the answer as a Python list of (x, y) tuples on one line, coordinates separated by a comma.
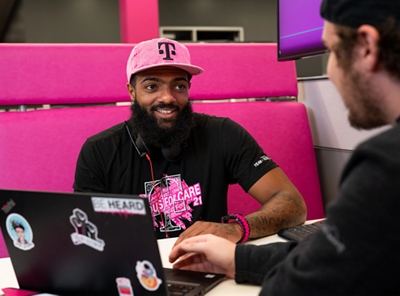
[(217, 153)]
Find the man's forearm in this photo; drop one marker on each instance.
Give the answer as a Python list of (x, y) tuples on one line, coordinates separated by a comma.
[(283, 210)]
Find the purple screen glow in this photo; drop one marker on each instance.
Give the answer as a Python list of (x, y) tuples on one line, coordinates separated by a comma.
[(300, 29)]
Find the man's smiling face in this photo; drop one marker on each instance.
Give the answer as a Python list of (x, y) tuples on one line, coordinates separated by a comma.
[(163, 92), (161, 111)]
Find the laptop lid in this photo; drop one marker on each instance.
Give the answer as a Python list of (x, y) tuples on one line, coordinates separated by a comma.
[(65, 243), (88, 244)]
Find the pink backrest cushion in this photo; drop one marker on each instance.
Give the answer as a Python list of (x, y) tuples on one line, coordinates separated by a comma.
[(35, 74), (39, 148), (283, 130), (241, 71)]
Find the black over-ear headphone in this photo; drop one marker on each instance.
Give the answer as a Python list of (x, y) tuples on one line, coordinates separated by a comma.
[(172, 153)]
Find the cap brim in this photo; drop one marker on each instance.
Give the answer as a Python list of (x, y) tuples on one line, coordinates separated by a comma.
[(192, 70)]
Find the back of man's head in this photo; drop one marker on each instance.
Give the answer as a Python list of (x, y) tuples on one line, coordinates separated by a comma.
[(354, 13), (384, 15)]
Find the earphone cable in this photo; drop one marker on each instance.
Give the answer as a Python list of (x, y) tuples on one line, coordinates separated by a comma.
[(157, 194)]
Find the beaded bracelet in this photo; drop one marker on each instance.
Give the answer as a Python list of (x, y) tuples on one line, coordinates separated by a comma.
[(237, 217)]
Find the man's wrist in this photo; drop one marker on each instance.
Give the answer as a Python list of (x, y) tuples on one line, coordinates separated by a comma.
[(244, 225)]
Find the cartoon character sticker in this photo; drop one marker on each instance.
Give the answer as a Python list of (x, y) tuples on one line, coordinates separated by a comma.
[(124, 287), (20, 232), (147, 275), (85, 231)]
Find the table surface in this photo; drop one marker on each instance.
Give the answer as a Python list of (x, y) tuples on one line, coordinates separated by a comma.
[(227, 287)]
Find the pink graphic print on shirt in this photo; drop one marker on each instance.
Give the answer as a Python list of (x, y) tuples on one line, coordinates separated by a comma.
[(173, 198)]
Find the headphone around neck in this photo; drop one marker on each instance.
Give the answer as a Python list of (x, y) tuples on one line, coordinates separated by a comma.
[(171, 153)]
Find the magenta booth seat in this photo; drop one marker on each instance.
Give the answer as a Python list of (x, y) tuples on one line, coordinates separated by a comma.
[(3, 249), (39, 148)]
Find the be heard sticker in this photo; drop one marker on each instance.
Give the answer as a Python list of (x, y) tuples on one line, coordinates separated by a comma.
[(123, 206)]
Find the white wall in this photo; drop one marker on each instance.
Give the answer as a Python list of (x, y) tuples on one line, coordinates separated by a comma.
[(328, 115), (334, 139)]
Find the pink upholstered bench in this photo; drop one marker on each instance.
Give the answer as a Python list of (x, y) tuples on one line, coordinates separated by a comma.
[(38, 149)]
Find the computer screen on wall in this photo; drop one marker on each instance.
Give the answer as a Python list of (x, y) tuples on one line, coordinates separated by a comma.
[(299, 29)]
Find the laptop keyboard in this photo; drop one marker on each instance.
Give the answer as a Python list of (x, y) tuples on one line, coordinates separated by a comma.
[(179, 289), (300, 232)]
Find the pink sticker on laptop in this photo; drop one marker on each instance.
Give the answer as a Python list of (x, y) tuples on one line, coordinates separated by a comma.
[(124, 286)]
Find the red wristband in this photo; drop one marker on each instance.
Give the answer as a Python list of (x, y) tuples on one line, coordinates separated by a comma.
[(237, 217)]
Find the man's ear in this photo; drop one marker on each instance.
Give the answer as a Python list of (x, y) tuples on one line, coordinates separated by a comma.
[(368, 49), (131, 91)]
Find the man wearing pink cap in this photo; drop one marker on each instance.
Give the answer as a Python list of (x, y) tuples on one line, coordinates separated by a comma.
[(184, 161)]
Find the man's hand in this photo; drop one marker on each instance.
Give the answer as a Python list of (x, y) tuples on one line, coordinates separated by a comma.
[(230, 231), (206, 253)]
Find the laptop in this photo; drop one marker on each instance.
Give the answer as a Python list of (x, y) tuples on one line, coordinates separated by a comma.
[(89, 244)]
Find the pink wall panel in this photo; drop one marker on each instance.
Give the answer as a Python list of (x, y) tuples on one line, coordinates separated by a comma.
[(138, 20)]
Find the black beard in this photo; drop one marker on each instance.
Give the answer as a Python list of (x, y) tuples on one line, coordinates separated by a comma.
[(145, 125)]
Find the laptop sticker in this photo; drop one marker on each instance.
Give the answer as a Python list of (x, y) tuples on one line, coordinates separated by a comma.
[(124, 287), (20, 232), (85, 231), (123, 206), (8, 206), (147, 275)]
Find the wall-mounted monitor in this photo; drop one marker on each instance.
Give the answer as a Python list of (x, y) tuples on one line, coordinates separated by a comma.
[(299, 29)]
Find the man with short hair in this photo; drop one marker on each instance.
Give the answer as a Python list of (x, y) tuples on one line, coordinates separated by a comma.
[(357, 250), (184, 161)]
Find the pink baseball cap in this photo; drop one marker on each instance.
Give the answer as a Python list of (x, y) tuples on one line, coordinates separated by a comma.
[(160, 52)]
